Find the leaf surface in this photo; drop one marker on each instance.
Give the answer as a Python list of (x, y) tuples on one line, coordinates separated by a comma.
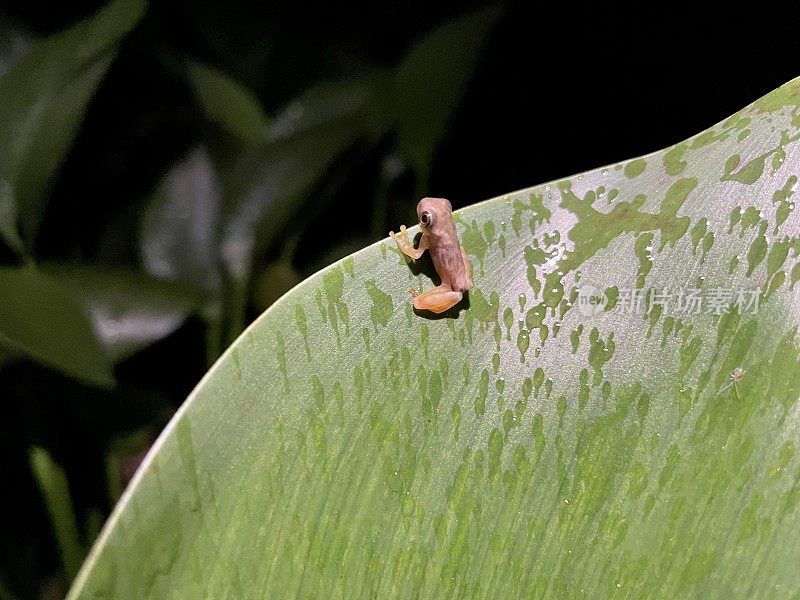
[(532, 444)]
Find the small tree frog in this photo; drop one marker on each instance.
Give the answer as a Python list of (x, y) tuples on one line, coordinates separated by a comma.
[(449, 259)]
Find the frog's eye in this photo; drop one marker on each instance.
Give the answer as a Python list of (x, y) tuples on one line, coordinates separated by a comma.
[(426, 218)]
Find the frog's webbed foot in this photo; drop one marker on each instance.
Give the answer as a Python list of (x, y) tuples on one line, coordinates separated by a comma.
[(400, 238), (405, 246)]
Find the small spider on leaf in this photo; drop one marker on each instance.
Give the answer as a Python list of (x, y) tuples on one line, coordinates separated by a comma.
[(735, 377)]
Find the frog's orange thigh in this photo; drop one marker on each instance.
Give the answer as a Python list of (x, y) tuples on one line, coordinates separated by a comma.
[(437, 300)]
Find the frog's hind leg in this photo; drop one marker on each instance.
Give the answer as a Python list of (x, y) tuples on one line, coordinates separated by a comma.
[(437, 300)]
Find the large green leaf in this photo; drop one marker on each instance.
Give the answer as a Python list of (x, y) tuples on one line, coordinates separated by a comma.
[(346, 446), (43, 96)]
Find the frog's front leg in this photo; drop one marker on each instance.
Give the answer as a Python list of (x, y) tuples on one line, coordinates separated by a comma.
[(437, 300), (405, 246)]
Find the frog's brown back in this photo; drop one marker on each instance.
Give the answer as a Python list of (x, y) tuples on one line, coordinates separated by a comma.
[(450, 262), (449, 258)]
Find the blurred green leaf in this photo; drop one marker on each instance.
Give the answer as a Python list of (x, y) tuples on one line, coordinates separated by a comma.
[(42, 320), (179, 233), (269, 187), (227, 103), (187, 234), (94, 523), (366, 98), (5, 594), (430, 83), (8, 219), (272, 184), (14, 43), (179, 238), (54, 488), (531, 444), (129, 309), (44, 96), (6, 355)]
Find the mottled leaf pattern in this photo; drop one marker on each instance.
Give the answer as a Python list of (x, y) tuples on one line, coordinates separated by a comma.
[(347, 447)]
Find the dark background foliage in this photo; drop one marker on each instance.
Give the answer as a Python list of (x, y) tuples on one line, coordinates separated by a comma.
[(231, 149)]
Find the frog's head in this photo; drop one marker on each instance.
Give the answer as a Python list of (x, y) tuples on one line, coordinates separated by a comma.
[(435, 215)]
